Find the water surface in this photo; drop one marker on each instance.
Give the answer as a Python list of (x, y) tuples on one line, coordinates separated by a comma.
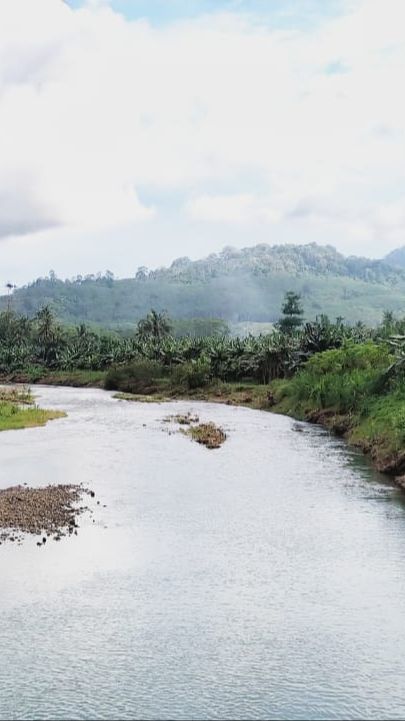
[(262, 580)]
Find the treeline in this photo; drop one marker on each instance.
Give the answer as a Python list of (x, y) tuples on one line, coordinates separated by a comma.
[(43, 343)]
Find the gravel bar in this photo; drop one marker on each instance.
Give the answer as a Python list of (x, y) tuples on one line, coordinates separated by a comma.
[(49, 512)]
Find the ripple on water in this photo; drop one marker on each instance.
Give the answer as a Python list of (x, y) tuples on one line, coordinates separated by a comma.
[(263, 580)]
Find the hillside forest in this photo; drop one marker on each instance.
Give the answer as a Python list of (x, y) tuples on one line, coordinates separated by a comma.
[(235, 288)]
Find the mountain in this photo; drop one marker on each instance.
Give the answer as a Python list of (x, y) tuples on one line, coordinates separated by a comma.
[(265, 260), (238, 286), (396, 258)]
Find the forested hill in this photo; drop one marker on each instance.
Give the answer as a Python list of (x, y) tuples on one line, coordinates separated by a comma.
[(235, 285), (267, 260)]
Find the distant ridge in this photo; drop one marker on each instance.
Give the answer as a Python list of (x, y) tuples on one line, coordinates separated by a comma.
[(265, 259), (245, 285)]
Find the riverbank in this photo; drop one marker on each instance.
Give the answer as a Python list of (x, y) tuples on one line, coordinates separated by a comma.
[(17, 410), (249, 395), (337, 389), (355, 391), (373, 433), (41, 376), (352, 393), (12, 418)]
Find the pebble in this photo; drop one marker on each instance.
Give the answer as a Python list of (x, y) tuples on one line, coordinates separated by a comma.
[(45, 512)]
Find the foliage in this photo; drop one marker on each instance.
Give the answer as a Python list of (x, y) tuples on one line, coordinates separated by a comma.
[(200, 327), (41, 345), (13, 417), (343, 379), (155, 326), (194, 374), (351, 390), (141, 376), (292, 313), (382, 422)]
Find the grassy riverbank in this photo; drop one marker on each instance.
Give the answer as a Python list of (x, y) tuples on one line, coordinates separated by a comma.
[(12, 418), (352, 392), (349, 390), (17, 410), (250, 395)]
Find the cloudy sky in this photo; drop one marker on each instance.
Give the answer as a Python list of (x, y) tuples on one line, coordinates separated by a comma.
[(136, 131)]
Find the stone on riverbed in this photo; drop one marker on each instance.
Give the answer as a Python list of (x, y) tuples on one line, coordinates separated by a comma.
[(48, 511), (208, 434)]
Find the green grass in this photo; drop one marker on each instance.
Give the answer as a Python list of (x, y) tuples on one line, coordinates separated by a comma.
[(343, 379), (342, 389), (76, 378), (383, 425), (13, 417)]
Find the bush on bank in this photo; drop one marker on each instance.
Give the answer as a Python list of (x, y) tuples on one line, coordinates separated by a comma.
[(350, 389), (343, 379)]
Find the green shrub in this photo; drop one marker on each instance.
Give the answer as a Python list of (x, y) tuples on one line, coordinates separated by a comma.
[(35, 373), (195, 374), (141, 376), (342, 379)]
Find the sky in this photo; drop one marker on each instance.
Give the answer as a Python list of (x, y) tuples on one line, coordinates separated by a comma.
[(133, 132)]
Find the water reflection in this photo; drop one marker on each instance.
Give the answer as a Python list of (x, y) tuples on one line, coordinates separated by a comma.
[(262, 580)]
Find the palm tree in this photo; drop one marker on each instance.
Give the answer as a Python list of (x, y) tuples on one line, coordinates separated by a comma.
[(48, 334), (10, 287), (155, 326)]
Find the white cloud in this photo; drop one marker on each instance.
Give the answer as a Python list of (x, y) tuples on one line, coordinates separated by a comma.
[(94, 108), (242, 208)]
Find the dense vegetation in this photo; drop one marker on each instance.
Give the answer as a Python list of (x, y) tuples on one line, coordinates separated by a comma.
[(350, 377), (235, 285), (359, 391), (42, 343)]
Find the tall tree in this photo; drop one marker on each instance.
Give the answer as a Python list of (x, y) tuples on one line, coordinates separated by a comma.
[(155, 326), (48, 334), (292, 313)]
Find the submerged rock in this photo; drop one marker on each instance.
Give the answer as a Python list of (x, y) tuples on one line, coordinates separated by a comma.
[(208, 434), (185, 419)]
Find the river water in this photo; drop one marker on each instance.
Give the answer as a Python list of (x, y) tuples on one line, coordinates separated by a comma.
[(262, 580)]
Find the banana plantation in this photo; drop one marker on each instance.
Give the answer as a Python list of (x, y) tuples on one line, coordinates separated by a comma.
[(42, 342)]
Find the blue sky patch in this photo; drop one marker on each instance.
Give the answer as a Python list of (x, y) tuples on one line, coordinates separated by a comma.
[(280, 13)]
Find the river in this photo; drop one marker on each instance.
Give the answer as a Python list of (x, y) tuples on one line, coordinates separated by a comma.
[(262, 580)]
